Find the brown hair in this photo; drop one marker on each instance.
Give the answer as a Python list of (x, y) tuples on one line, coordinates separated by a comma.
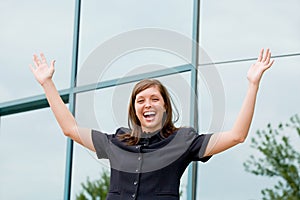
[(134, 123)]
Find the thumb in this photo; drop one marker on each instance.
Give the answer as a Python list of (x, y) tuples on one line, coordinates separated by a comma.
[(31, 69), (52, 64)]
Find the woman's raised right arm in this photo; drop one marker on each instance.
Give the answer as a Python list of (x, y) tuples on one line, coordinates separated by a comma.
[(43, 74)]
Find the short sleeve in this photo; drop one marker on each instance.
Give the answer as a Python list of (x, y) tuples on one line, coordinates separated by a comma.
[(198, 147), (101, 143)]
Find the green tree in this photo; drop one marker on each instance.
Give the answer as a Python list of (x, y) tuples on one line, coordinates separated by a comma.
[(95, 190), (279, 159)]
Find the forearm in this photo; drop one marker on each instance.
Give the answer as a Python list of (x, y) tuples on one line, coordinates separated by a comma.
[(62, 114), (224, 140), (244, 119)]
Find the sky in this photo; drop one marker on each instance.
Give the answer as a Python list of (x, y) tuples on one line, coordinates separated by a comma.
[(229, 30)]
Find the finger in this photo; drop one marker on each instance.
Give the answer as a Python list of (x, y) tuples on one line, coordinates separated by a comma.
[(43, 57), (266, 55), (260, 55), (35, 61), (270, 64), (268, 58)]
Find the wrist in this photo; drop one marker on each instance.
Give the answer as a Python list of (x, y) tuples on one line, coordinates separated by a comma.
[(46, 83), (253, 86)]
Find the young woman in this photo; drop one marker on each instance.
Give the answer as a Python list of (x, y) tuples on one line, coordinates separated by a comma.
[(148, 158)]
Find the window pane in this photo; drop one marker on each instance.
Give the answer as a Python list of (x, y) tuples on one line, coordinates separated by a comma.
[(29, 27), (129, 48), (106, 110), (277, 101), (239, 29), (32, 154)]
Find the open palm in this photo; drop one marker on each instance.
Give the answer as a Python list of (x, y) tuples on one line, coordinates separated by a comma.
[(262, 64), (42, 71)]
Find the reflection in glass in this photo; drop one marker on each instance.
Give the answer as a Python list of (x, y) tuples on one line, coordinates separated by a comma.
[(102, 21)]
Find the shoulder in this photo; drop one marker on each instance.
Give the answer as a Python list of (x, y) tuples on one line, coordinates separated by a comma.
[(191, 131), (187, 131), (190, 134), (122, 131), (185, 134), (119, 131)]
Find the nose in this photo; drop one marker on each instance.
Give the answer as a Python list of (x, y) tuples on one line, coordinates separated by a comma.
[(147, 104)]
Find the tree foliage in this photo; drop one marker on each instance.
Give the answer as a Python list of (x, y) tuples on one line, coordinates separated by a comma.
[(95, 190), (279, 159)]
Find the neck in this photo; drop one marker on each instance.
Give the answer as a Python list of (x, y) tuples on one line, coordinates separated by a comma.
[(149, 133)]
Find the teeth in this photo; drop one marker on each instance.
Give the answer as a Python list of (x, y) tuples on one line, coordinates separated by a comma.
[(149, 113)]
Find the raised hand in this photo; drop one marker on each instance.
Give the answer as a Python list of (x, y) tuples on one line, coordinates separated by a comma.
[(42, 71), (256, 70)]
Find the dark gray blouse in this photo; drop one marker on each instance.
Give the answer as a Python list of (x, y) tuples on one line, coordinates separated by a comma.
[(152, 169)]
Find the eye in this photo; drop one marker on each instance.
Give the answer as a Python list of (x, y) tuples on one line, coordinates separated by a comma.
[(155, 99), (140, 101)]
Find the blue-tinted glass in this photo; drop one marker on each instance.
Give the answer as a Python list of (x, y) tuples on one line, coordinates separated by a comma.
[(277, 101), (32, 154), (29, 27), (239, 29), (112, 43)]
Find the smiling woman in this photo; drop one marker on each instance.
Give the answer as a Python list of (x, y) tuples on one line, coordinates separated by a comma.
[(150, 110), (149, 158)]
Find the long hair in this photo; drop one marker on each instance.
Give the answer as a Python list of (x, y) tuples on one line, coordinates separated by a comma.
[(134, 123)]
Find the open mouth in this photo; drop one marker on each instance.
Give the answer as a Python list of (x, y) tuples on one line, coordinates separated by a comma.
[(149, 115)]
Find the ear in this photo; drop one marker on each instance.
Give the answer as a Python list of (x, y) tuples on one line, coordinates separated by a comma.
[(165, 107)]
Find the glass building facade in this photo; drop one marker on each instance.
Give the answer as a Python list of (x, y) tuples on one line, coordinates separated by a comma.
[(201, 50)]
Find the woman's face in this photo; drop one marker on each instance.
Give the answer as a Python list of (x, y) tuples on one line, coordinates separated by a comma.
[(149, 108)]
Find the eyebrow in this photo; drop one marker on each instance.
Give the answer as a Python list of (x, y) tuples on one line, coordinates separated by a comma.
[(156, 95)]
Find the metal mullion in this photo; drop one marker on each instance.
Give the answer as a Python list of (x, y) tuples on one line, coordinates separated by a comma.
[(133, 78), (40, 101), (245, 60), (72, 100), (192, 171), (29, 103)]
